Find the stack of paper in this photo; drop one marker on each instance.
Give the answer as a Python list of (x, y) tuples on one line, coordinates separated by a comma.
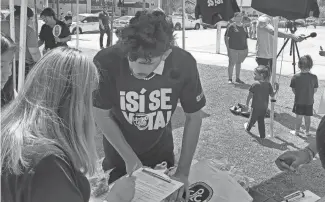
[(153, 186)]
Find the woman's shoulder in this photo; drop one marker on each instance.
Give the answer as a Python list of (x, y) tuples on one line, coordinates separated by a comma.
[(37, 153)]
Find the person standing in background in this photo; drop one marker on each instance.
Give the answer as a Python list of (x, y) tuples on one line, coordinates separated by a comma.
[(46, 35), (264, 45), (32, 53), (236, 42), (104, 27)]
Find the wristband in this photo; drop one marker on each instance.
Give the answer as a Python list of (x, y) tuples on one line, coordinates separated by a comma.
[(310, 154), (311, 151)]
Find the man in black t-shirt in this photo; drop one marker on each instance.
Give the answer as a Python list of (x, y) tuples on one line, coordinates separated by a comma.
[(142, 79), (104, 27), (46, 35)]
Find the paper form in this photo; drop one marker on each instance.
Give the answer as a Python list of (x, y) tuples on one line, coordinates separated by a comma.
[(152, 189)]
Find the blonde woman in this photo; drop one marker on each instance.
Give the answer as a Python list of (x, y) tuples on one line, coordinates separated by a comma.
[(47, 140)]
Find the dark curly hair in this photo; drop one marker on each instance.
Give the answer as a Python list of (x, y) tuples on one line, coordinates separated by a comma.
[(149, 34)]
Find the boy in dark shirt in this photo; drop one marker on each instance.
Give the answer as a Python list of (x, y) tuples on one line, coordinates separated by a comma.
[(304, 85), (260, 91), (46, 34)]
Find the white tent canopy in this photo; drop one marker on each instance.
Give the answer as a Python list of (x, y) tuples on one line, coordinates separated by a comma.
[(5, 3)]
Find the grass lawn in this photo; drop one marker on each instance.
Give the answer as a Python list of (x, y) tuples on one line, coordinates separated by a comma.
[(223, 135)]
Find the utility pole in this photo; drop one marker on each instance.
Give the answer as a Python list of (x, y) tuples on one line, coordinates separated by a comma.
[(144, 5)]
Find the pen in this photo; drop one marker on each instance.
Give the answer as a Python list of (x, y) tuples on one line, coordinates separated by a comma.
[(156, 175)]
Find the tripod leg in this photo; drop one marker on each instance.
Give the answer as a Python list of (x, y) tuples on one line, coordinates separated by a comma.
[(297, 50), (282, 48)]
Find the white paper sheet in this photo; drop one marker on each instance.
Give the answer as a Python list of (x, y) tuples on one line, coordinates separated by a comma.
[(152, 189)]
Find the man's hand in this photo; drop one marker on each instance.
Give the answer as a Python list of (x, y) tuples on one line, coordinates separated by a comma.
[(57, 39), (292, 160), (124, 189), (297, 38), (133, 165), (322, 53), (178, 196)]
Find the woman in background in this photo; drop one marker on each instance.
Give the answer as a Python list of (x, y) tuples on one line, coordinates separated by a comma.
[(236, 42), (47, 140), (8, 48)]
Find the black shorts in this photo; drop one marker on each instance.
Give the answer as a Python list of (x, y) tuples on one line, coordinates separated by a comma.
[(266, 62), (304, 110)]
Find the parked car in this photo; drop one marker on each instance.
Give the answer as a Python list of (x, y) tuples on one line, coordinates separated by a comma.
[(88, 22), (4, 14), (190, 22), (121, 21)]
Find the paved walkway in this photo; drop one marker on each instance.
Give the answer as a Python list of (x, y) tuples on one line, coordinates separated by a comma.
[(202, 45)]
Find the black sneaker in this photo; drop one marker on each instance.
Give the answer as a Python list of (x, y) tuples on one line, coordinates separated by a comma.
[(240, 81), (230, 81)]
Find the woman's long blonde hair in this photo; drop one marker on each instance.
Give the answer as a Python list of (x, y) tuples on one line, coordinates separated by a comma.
[(53, 107)]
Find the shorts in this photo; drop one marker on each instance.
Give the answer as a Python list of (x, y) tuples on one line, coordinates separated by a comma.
[(266, 62), (304, 110), (237, 56)]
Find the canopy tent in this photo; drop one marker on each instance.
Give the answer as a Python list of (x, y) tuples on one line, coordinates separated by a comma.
[(22, 42), (5, 3)]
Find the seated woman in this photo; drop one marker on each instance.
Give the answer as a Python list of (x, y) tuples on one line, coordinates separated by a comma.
[(7, 54), (47, 134)]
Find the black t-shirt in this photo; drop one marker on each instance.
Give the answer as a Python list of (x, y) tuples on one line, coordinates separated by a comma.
[(213, 11), (143, 108), (104, 17), (46, 35), (261, 93), (237, 37), (51, 178), (304, 85)]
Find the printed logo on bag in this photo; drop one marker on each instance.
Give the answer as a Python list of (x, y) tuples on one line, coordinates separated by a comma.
[(214, 2), (200, 192)]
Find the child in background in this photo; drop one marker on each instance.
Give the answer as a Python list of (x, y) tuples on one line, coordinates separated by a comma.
[(304, 85), (259, 92)]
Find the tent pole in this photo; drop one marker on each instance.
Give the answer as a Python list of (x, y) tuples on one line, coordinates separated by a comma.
[(58, 9), (77, 25), (183, 23), (275, 49), (36, 19), (112, 21), (218, 44), (144, 4), (13, 37), (22, 44)]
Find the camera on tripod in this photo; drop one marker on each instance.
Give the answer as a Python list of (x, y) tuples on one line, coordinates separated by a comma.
[(292, 25)]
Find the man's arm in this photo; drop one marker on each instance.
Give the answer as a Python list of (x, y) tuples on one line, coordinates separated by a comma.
[(270, 29), (293, 90), (65, 39), (100, 21), (103, 102), (191, 135), (114, 135), (32, 44), (36, 54), (40, 42)]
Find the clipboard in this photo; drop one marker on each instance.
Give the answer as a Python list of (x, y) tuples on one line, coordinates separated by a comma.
[(153, 186)]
